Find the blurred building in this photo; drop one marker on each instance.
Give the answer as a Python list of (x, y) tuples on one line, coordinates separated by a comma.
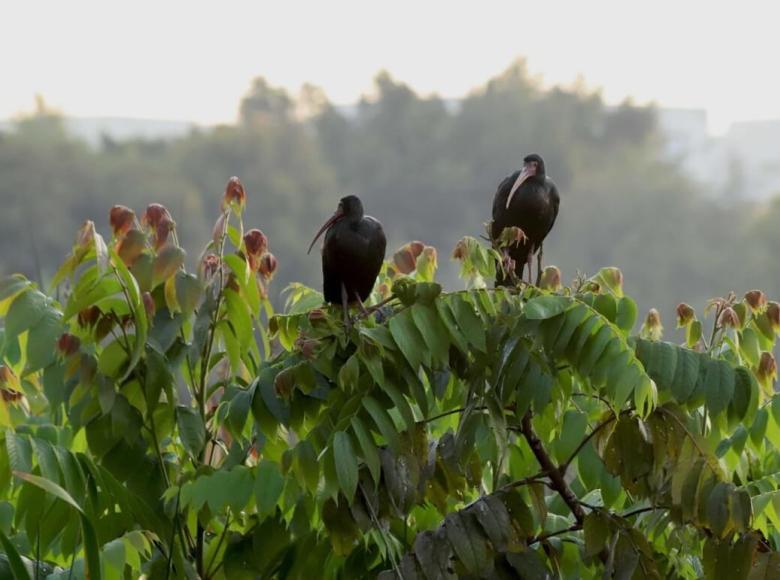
[(743, 163)]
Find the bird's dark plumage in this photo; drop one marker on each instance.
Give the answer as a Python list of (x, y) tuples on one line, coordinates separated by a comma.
[(352, 253), (533, 208)]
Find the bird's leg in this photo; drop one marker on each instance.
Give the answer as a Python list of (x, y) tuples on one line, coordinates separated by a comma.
[(539, 264), (369, 310), (362, 306), (529, 260), (510, 268), (345, 304)]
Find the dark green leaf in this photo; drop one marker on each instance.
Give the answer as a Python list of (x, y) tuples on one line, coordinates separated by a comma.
[(268, 487), (597, 532), (25, 311), (383, 422), (18, 568), (191, 430), (367, 448), (408, 338), (346, 464), (719, 384), (470, 547), (432, 330)]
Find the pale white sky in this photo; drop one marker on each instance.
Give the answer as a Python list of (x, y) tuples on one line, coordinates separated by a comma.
[(192, 60)]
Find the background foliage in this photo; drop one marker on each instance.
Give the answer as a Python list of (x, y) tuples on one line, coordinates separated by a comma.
[(425, 167), (166, 423)]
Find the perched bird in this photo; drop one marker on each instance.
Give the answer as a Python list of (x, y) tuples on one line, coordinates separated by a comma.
[(528, 200), (352, 254)]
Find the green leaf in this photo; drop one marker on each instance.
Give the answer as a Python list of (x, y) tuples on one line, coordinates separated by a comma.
[(349, 374), (136, 305), (49, 487), (188, 292), (113, 359), (626, 314), (400, 402), (718, 508), (168, 261), (470, 547), (434, 333), (593, 349), (469, 323), (408, 338), (597, 532), (750, 346), (745, 401), (493, 516), (306, 458), (660, 360), (544, 307), (26, 310), (572, 433), (383, 422), (191, 430), (18, 568), (693, 333), (606, 305), (91, 549), (42, 340), (719, 385), (433, 553), (10, 286), (268, 487), (367, 448), (346, 464)]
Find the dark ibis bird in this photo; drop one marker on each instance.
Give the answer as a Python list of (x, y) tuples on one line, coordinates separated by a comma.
[(352, 254), (529, 200)]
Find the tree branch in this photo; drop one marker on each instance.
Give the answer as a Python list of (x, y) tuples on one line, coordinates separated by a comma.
[(549, 468)]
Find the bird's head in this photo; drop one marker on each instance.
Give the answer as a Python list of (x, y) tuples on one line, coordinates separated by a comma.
[(533, 169), (350, 208)]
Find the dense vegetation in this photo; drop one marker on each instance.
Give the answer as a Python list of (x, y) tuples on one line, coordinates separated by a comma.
[(427, 168), (169, 424)]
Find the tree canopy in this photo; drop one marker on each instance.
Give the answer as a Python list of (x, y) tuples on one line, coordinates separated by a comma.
[(171, 424)]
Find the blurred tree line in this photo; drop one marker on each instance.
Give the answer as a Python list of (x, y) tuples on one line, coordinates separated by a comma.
[(427, 168)]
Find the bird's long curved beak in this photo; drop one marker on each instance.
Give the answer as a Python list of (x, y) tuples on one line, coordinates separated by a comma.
[(333, 219), (524, 174)]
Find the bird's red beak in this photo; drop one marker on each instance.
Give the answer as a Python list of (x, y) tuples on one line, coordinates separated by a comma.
[(333, 219), (524, 174)]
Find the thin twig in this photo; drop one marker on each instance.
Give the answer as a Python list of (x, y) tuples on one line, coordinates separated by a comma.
[(371, 309), (173, 540), (565, 465), (543, 537), (381, 531), (638, 511), (525, 481), (451, 412)]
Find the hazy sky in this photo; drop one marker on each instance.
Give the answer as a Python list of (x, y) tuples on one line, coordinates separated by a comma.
[(193, 60)]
